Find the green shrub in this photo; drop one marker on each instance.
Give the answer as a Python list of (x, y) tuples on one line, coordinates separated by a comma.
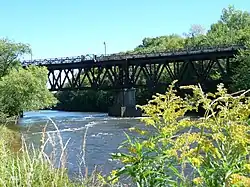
[(214, 147), (25, 90)]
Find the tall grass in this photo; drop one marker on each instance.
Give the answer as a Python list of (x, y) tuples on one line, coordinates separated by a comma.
[(27, 166)]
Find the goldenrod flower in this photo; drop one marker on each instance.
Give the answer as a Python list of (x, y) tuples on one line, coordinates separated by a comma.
[(196, 162), (247, 167), (197, 180)]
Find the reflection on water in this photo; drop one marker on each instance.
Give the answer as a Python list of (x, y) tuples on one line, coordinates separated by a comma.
[(104, 134)]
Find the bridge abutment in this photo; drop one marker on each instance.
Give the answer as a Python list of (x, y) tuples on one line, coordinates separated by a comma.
[(125, 104)]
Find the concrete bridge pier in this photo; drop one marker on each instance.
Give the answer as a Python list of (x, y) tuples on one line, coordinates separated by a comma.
[(125, 104)]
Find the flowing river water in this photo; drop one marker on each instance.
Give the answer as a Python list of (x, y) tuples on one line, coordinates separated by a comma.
[(90, 137)]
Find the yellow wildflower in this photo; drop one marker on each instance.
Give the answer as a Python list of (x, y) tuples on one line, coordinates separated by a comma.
[(247, 167), (132, 149), (114, 172), (197, 180), (196, 161), (237, 179)]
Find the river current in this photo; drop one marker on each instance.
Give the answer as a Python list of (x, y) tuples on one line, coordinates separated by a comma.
[(90, 137)]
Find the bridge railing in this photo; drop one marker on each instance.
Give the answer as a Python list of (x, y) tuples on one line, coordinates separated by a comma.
[(123, 56)]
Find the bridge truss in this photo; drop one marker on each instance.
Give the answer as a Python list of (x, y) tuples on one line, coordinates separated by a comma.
[(139, 70)]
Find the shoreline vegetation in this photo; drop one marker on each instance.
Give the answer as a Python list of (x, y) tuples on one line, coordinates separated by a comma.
[(217, 151), (22, 165), (157, 157)]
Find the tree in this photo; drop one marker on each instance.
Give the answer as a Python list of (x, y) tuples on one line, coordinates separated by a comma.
[(21, 89), (162, 43), (24, 90), (234, 28), (229, 29), (9, 54), (195, 37), (235, 19)]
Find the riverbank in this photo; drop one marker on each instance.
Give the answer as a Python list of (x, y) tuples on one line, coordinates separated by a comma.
[(22, 166)]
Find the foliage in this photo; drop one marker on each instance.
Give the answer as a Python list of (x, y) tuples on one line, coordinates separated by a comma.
[(214, 147), (232, 28), (84, 100), (241, 76), (21, 169), (24, 90), (9, 54), (20, 89), (195, 36), (162, 43), (10, 137)]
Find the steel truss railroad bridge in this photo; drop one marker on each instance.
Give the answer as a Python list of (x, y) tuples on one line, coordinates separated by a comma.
[(126, 71)]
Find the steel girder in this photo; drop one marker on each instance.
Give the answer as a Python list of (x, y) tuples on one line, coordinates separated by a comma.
[(148, 73)]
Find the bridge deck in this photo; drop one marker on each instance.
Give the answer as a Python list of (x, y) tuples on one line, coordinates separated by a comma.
[(116, 59)]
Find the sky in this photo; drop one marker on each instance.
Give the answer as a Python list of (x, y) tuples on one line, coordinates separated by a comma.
[(60, 28)]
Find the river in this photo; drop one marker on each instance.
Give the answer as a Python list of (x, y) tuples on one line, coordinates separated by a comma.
[(103, 136)]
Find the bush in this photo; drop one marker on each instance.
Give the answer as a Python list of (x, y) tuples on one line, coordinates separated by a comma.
[(84, 100), (241, 68), (24, 90), (212, 150)]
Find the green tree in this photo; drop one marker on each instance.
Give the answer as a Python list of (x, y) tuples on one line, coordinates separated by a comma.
[(24, 90), (84, 100), (241, 69), (9, 54), (231, 28), (195, 37), (162, 43)]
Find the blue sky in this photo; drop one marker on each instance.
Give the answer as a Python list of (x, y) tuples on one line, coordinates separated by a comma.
[(58, 28)]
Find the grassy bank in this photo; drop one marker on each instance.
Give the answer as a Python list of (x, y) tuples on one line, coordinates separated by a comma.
[(22, 166), (19, 168)]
